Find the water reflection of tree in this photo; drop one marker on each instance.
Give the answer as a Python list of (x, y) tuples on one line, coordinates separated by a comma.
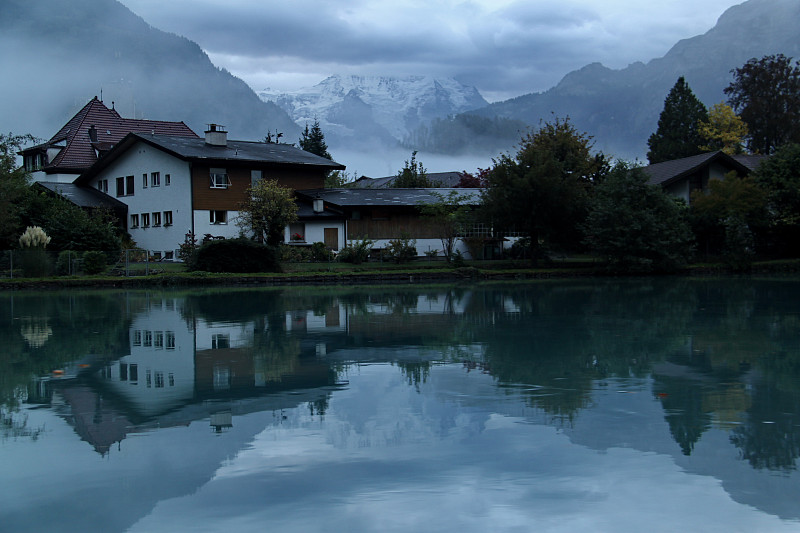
[(77, 324), (770, 437), (415, 372), (684, 410), (568, 335)]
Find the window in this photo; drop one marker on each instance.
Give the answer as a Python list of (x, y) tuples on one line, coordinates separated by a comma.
[(134, 372), (125, 186), (102, 186), (222, 377), (123, 372), (148, 338), (255, 177), (155, 179), (134, 221), (220, 341), (166, 180), (170, 340), (159, 380), (144, 181), (219, 179), (34, 162), (218, 217), (159, 339), (157, 218), (167, 218), (145, 220), (297, 232), (169, 255), (137, 337)]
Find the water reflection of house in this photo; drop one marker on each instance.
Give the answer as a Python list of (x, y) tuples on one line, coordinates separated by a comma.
[(158, 373), (182, 367)]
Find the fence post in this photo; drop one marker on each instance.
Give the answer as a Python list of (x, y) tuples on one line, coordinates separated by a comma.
[(11, 260)]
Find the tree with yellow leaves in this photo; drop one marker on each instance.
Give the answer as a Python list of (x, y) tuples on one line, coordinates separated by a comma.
[(724, 130)]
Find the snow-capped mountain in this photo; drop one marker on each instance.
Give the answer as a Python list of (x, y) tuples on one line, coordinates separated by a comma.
[(380, 108)]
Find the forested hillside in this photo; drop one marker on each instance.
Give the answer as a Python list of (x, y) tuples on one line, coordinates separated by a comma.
[(58, 56)]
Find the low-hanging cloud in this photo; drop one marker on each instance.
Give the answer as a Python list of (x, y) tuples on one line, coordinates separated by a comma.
[(503, 48)]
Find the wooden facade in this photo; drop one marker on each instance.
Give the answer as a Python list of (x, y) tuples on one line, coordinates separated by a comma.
[(206, 197), (390, 223)]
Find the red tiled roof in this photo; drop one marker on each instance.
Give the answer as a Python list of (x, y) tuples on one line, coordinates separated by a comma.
[(80, 152)]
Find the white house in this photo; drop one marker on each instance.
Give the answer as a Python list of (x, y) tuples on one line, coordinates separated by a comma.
[(175, 186)]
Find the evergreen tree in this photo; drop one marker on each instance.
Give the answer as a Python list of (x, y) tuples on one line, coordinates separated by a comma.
[(766, 94), (313, 141), (678, 133), (412, 175)]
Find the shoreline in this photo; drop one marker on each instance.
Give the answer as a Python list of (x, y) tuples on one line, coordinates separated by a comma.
[(398, 276)]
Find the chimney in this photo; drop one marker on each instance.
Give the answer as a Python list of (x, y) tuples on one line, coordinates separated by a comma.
[(318, 205), (216, 135), (93, 134)]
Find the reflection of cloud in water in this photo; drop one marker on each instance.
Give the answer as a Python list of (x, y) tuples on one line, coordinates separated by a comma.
[(471, 469)]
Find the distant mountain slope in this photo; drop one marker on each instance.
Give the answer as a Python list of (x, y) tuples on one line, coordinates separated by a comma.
[(58, 56), (353, 108), (620, 108)]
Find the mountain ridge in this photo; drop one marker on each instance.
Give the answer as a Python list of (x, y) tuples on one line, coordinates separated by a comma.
[(64, 57), (386, 107), (620, 108)]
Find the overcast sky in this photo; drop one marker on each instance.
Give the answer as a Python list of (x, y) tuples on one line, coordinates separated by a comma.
[(503, 47)]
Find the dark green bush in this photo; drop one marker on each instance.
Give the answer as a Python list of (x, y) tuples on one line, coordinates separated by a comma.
[(320, 252), (235, 255), (67, 262), (402, 249), (94, 262), (295, 254), (357, 252)]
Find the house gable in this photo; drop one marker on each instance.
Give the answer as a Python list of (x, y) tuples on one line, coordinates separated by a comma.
[(91, 132), (681, 177)]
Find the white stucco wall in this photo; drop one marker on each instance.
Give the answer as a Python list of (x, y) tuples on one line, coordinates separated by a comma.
[(176, 197), (203, 225), (315, 231)]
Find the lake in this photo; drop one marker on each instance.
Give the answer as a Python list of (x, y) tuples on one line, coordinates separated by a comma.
[(616, 405)]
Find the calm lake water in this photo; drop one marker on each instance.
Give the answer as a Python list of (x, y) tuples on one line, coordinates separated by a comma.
[(594, 405)]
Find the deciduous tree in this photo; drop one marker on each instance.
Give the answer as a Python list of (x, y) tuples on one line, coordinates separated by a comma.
[(766, 94), (779, 177), (449, 216), (724, 130), (266, 211), (678, 133), (13, 188), (543, 190), (636, 227), (728, 216)]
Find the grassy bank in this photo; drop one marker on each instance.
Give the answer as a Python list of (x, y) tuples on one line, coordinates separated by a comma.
[(368, 273)]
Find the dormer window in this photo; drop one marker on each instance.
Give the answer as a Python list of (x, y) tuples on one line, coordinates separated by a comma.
[(34, 162), (219, 179)]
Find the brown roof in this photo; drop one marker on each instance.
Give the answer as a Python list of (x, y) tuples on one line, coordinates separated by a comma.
[(81, 152)]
